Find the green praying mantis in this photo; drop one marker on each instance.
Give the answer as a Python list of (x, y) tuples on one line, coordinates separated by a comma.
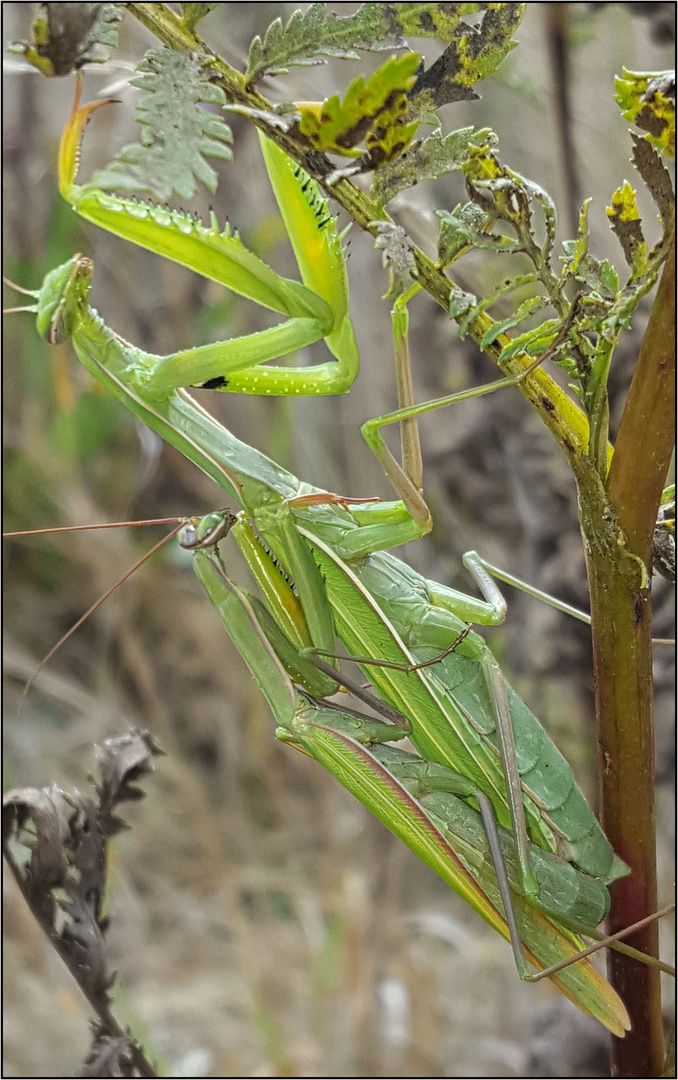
[(456, 712), (302, 525)]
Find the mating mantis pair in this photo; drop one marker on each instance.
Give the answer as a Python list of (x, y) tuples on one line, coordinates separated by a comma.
[(333, 551)]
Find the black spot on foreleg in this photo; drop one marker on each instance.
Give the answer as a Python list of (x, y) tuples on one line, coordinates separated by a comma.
[(219, 382)]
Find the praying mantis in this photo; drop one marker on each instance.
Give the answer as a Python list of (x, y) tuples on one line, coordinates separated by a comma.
[(333, 550), (306, 528)]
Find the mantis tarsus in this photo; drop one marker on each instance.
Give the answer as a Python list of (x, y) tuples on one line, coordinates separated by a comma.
[(371, 596)]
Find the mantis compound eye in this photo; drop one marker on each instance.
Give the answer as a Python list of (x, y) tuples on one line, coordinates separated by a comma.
[(189, 538), (208, 531)]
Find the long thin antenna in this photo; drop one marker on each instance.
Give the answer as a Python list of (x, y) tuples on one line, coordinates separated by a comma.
[(83, 618)]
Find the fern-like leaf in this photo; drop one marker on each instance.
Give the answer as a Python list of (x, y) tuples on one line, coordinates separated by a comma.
[(311, 35), (428, 160), (467, 227), (176, 135)]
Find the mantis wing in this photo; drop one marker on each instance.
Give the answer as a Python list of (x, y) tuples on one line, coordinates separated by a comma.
[(312, 729)]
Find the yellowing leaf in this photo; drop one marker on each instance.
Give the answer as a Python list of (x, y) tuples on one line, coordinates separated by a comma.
[(377, 105), (644, 98), (625, 223)]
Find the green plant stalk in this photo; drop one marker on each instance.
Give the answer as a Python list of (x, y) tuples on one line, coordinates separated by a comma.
[(562, 416), (617, 527)]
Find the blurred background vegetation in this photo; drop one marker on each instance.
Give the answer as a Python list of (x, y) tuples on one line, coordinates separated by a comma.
[(264, 924)]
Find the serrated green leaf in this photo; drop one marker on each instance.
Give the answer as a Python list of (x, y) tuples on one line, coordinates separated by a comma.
[(527, 308), (576, 250), (338, 126), (590, 272), (313, 34), (645, 99), (461, 303), (458, 230), (397, 258), (176, 134), (625, 223), (609, 277), (463, 229), (533, 342), (428, 160), (68, 36), (391, 134)]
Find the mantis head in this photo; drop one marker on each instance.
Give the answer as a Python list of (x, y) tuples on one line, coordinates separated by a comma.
[(63, 293), (61, 296)]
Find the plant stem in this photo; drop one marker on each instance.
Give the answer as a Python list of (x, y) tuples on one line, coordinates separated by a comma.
[(618, 535)]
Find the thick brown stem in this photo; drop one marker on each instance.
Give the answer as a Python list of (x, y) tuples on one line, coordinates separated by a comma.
[(648, 429), (618, 544)]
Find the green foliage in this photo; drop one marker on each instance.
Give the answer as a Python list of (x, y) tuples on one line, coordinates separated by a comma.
[(67, 36), (176, 135), (522, 312), (496, 329), (374, 109), (428, 160), (507, 197), (533, 342), (645, 99), (313, 34), (467, 227), (473, 53), (503, 202), (460, 304), (397, 258)]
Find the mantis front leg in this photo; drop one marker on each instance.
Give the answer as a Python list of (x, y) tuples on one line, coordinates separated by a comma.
[(316, 309)]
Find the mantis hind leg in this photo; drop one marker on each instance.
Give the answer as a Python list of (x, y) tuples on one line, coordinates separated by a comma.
[(614, 941)]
